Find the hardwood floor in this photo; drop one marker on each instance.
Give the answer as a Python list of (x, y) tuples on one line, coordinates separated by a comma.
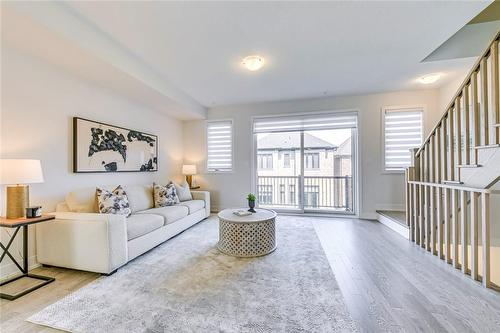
[(389, 285)]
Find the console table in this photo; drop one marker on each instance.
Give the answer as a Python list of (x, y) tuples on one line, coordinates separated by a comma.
[(17, 224)]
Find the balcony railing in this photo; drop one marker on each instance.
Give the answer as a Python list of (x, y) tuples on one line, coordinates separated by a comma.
[(316, 192)]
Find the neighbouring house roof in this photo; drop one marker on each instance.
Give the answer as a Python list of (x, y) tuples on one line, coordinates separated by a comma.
[(344, 148), (290, 141)]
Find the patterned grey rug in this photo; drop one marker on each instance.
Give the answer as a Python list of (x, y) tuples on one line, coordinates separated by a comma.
[(187, 285)]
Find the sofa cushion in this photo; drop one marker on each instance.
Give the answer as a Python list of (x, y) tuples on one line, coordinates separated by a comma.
[(82, 201), (141, 224), (193, 205), (169, 213), (140, 197)]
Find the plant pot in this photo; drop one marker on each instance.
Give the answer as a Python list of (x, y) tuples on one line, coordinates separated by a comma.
[(251, 204)]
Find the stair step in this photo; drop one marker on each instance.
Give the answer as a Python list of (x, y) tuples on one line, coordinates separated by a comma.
[(469, 166), (395, 215), (395, 220), (487, 146), (452, 182)]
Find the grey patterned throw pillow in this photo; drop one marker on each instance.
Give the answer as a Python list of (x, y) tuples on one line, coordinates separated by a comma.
[(165, 195), (113, 202)]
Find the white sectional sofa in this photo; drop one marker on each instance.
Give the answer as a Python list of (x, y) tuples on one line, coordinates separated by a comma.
[(80, 238)]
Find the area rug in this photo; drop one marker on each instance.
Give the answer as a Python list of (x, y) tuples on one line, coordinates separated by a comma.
[(187, 285)]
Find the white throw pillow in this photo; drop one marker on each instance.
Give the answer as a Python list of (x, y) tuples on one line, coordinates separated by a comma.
[(165, 195), (113, 202), (183, 191)]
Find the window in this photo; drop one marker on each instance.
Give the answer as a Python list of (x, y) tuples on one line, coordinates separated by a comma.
[(286, 160), (304, 147), (311, 193), (292, 194), (282, 193), (402, 131), (311, 160), (265, 161), (265, 194), (220, 146)]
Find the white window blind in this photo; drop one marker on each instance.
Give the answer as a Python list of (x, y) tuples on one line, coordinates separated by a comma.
[(403, 131), (305, 122), (220, 146)]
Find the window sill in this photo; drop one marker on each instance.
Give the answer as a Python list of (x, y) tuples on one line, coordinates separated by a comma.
[(393, 172), (219, 172)]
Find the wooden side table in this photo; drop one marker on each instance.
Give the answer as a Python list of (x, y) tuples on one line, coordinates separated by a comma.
[(18, 224)]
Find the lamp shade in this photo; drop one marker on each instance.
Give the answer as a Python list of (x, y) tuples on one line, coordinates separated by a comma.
[(13, 171), (189, 169)]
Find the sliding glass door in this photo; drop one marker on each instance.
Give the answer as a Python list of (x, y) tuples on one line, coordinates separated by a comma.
[(306, 163), (279, 170)]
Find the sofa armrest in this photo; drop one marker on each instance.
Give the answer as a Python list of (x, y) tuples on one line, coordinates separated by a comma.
[(202, 195), (85, 241)]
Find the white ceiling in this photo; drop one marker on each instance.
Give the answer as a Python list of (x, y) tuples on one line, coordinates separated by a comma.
[(311, 48)]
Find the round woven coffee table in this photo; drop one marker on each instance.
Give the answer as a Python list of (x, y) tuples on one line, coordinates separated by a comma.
[(247, 236)]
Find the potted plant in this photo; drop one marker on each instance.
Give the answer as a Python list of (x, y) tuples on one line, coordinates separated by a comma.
[(251, 202)]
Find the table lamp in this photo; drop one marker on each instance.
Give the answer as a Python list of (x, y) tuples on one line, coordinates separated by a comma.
[(189, 170), (16, 174)]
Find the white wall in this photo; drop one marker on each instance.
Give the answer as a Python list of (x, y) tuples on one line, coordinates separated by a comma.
[(448, 91), (378, 190), (38, 103)]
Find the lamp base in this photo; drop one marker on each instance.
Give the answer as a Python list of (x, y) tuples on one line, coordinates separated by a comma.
[(17, 201), (189, 179)]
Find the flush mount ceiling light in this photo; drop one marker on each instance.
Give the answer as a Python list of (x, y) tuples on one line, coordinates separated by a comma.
[(253, 62), (429, 78)]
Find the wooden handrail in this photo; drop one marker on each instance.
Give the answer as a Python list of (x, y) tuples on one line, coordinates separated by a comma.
[(475, 68)]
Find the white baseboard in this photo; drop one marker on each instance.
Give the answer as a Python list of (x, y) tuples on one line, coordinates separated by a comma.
[(394, 226), (390, 207), (369, 216), (10, 270)]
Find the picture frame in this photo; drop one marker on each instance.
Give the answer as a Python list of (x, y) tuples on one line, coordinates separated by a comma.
[(99, 147)]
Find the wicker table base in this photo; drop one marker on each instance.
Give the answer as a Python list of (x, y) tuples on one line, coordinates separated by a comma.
[(248, 236)]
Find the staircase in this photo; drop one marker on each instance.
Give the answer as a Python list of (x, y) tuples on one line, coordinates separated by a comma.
[(449, 183)]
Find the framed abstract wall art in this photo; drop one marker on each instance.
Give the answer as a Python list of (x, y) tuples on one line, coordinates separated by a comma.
[(99, 147)]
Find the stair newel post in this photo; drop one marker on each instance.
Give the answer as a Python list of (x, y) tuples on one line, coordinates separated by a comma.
[(485, 238), (412, 175), (466, 123), (444, 147), (408, 172), (474, 218), (474, 109), (451, 145), (458, 137), (447, 224), (463, 231), (484, 102), (454, 226), (495, 112)]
